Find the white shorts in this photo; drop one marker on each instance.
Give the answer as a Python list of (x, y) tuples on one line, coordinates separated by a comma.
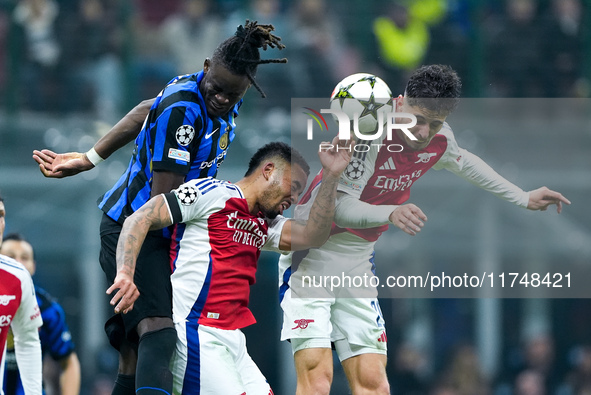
[(318, 314), (212, 361)]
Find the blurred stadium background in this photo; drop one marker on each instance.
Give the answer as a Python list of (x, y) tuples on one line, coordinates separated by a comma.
[(71, 70)]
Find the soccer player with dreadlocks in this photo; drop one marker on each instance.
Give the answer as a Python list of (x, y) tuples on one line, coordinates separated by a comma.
[(185, 136)]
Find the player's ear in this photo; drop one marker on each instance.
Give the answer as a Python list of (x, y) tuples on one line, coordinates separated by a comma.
[(268, 169), (399, 102), (206, 65)]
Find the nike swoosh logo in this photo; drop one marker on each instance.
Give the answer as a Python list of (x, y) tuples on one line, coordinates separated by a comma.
[(211, 134)]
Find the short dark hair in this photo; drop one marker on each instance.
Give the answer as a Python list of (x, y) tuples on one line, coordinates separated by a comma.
[(277, 150), (1, 198), (240, 53), (15, 237), (434, 81)]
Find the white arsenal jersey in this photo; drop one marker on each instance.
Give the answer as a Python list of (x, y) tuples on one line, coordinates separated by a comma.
[(215, 261), (18, 304), (384, 176)]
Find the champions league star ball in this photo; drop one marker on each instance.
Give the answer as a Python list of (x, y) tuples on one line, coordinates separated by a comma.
[(363, 96)]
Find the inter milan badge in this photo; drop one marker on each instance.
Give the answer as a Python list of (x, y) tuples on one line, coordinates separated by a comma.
[(187, 195), (185, 134), (224, 141), (355, 169)]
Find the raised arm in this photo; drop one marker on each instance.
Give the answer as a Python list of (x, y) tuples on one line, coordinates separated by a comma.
[(479, 173), (299, 235), (55, 165), (151, 216)]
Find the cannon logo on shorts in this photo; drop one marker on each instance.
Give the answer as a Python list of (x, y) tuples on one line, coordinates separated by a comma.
[(185, 134), (302, 323), (187, 195)]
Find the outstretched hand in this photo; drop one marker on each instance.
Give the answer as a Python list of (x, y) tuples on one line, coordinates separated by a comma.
[(541, 198), (54, 165), (335, 156), (127, 294), (408, 217)]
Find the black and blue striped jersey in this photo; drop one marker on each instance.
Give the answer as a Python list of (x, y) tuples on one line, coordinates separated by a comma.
[(177, 136)]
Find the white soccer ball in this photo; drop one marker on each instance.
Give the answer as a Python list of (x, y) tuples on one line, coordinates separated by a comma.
[(364, 96)]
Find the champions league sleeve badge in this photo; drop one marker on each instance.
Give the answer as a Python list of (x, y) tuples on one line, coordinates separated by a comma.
[(186, 195), (185, 134), (355, 169)]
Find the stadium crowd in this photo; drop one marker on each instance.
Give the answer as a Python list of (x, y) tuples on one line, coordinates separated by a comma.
[(106, 55)]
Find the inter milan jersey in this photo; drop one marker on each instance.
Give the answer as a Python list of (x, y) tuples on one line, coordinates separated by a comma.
[(18, 306), (178, 136), (215, 260)]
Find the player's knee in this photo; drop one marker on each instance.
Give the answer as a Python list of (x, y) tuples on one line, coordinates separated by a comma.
[(153, 324), (158, 344), (375, 383), (314, 385), (313, 367), (316, 379), (319, 387), (382, 387), (127, 357)]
